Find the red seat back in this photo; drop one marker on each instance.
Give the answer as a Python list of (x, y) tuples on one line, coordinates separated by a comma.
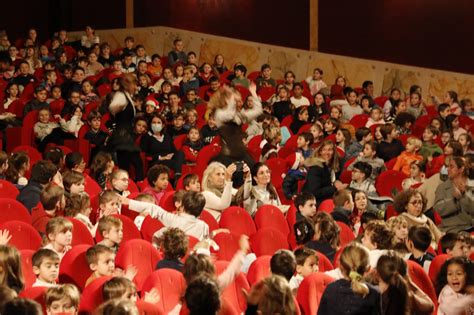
[(324, 263), (149, 227), (170, 284), (421, 279), (267, 241), (359, 121), (57, 106), (13, 210), (33, 154), (259, 269), (278, 167), (210, 220), (238, 221), (228, 245), (254, 147), (327, 206), (204, 157), (311, 290), (148, 308), (8, 190), (91, 187), (91, 297), (166, 202), (142, 255), (436, 265), (74, 268), (271, 216), (80, 233), (24, 236), (27, 267), (178, 141), (345, 235), (36, 294), (233, 293), (389, 181)]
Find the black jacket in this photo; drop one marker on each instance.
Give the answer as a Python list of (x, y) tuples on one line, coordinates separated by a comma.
[(30, 195), (318, 182)]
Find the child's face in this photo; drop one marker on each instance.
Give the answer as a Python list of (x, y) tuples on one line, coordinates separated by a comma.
[(303, 115), (316, 75), (178, 122), (52, 77), (368, 152), (174, 100), (166, 88), (367, 240), (309, 208), (48, 271), (360, 200), (455, 123), (117, 66), (445, 113), (290, 78), (401, 232), (297, 91), (357, 175), (130, 295), (56, 93), (211, 122), (428, 135), (378, 134), (77, 188), (127, 60), (460, 249), (78, 112), (179, 46), (75, 98), (410, 147), (445, 137), (43, 116), (414, 171), (129, 44), (24, 68), (266, 73), (414, 99), (301, 142), (402, 107), (238, 73), (105, 264), (42, 95), (115, 234), (143, 81), (328, 126), (63, 238), (339, 137), (215, 86), (316, 132), (191, 118), (310, 266), (395, 95), (456, 277), (111, 207), (62, 306), (95, 124), (161, 182), (352, 98), (194, 185), (13, 90), (141, 127), (191, 95), (335, 113), (141, 52), (193, 135), (376, 114)]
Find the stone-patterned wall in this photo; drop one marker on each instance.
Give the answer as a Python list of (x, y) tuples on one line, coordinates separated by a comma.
[(384, 75)]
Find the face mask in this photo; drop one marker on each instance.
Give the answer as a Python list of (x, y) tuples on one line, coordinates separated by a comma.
[(156, 128)]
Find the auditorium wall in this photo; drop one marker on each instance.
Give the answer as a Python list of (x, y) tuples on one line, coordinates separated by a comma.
[(385, 75)]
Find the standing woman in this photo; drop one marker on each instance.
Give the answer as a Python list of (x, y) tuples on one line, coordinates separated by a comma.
[(122, 112), (263, 192), (323, 169), (90, 38)]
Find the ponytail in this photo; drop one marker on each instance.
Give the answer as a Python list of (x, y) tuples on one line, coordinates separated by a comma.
[(357, 285), (354, 263), (391, 268)]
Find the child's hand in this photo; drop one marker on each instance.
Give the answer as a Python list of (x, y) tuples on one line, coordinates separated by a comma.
[(5, 237), (253, 89), (217, 231), (124, 200), (131, 272), (244, 243), (339, 185), (152, 297)]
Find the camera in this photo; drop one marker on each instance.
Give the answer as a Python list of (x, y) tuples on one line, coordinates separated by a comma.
[(240, 166)]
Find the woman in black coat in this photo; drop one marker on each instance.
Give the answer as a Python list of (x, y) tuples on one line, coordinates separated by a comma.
[(323, 170)]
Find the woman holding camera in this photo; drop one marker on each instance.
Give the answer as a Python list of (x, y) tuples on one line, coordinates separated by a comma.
[(217, 187)]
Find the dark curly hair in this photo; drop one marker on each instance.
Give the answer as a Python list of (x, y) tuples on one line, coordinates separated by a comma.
[(175, 243), (442, 278), (403, 198), (203, 296), (380, 234)]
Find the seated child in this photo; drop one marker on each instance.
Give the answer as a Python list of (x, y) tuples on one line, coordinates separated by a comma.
[(39, 102), (192, 145), (191, 182), (101, 167), (3, 164), (44, 126), (305, 204), (417, 175), (300, 118), (378, 239), (306, 264), (101, 261), (363, 135), (296, 173), (88, 95), (298, 100), (74, 161), (46, 268), (368, 155), (404, 160), (67, 130), (122, 288), (177, 127), (62, 299), (111, 229), (429, 147), (283, 263), (78, 206), (202, 296), (343, 207), (53, 201), (331, 126), (158, 180), (455, 287), (191, 119), (174, 244), (109, 203), (399, 227), (390, 147), (315, 82), (192, 100), (59, 235), (95, 135), (272, 136), (193, 204), (361, 178), (18, 165), (304, 143), (418, 242), (73, 183), (454, 244), (376, 117), (210, 130)]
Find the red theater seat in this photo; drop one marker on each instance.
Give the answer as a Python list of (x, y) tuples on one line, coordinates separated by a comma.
[(238, 221), (233, 293), (311, 290), (259, 269), (74, 268), (170, 285), (267, 241), (24, 236), (27, 267), (271, 216)]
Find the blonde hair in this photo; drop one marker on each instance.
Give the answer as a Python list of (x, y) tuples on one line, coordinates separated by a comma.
[(210, 169), (77, 203), (57, 225), (117, 306), (116, 287), (107, 196), (59, 292), (271, 133), (115, 174), (108, 222), (395, 222), (278, 298), (416, 142), (145, 198), (354, 262)]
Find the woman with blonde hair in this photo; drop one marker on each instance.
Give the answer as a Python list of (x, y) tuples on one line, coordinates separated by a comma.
[(351, 295), (217, 187), (323, 170)]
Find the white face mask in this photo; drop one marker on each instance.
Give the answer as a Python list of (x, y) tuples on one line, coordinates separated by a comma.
[(156, 128)]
